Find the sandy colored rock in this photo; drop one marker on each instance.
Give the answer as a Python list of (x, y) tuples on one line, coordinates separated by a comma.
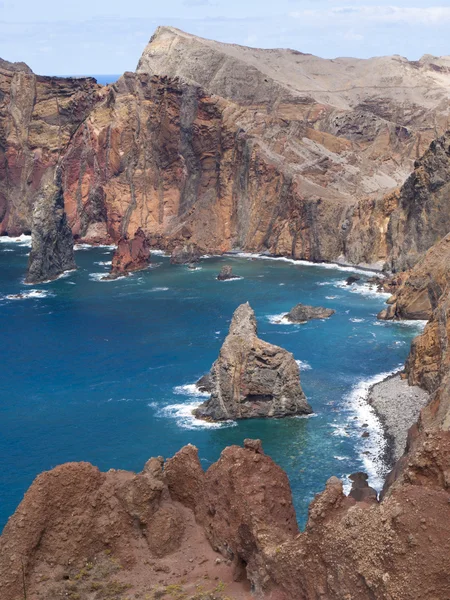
[(252, 378)]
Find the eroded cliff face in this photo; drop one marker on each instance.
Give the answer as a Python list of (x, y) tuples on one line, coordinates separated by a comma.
[(299, 161), (422, 217), (38, 117)]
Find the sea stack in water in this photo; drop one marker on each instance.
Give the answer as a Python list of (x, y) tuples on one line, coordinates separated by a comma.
[(302, 313), (131, 255), (252, 378), (51, 237), (226, 273), (186, 254)]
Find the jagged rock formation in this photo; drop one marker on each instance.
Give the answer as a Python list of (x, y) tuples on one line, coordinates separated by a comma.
[(301, 313), (130, 255), (51, 240), (252, 378), (428, 360), (422, 217), (419, 292), (76, 525), (193, 156)]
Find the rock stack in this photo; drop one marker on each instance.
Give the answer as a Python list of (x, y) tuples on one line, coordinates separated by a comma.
[(252, 378)]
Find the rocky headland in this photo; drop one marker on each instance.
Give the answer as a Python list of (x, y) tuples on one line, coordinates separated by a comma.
[(252, 378), (189, 153), (301, 313)]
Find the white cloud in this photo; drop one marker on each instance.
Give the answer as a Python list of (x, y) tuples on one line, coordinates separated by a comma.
[(351, 36), (432, 15)]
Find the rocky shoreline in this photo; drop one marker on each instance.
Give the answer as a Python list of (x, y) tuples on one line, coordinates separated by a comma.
[(397, 405)]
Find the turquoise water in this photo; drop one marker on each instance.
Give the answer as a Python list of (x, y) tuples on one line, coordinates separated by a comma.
[(95, 370)]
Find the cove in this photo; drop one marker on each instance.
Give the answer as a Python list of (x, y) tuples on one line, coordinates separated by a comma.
[(104, 371)]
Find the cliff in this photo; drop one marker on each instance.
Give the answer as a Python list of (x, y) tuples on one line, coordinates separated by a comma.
[(301, 160)]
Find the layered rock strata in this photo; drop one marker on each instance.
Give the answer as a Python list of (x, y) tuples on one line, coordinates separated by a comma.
[(420, 289), (192, 156), (252, 378), (130, 255), (51, 241)]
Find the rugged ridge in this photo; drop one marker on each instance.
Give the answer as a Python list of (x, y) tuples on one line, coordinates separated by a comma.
[(252, 378), (300, 162), (51, 240)]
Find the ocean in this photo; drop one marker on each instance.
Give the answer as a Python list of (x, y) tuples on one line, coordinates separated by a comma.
[(104, 371)]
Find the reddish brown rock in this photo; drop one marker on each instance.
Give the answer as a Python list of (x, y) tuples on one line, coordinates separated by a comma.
[(130, 255)]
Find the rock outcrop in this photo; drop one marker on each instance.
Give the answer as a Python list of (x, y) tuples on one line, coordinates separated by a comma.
[(173, 527), (130, 255), (51, 238), (252, 378), (301, 313), (226, 273), (420, 289), (186, 254), (422, 217)]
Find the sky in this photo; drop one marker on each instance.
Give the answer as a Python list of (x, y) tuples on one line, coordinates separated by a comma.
[(84, 37)]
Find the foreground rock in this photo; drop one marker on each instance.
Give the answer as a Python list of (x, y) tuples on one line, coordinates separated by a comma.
[(187, 254), (226, 273), (130, 255), (252, 378), (173, 527), (51, 238), (303, 313)]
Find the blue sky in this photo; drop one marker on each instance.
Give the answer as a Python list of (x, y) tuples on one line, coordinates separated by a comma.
[(107, 36)]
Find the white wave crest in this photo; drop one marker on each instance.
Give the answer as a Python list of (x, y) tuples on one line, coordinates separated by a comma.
[(104, 263), (303, 365), (373, 447), (355, 320), (279, 319), (186, 420), (33, 294), (159, 289), (190, 389), (21, 240), (307, 263)]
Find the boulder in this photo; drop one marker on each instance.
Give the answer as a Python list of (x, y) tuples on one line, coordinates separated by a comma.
[(186, 254), (226, 273), (352, 279), (252, 378), (361, 490), (130, 255), (302, 313)]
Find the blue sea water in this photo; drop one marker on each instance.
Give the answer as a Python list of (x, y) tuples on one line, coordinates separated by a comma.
[(103, 371)]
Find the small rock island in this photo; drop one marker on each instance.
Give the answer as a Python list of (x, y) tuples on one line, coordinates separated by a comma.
[(130, 255), (301, 313), (251, 378), (226, 273)]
